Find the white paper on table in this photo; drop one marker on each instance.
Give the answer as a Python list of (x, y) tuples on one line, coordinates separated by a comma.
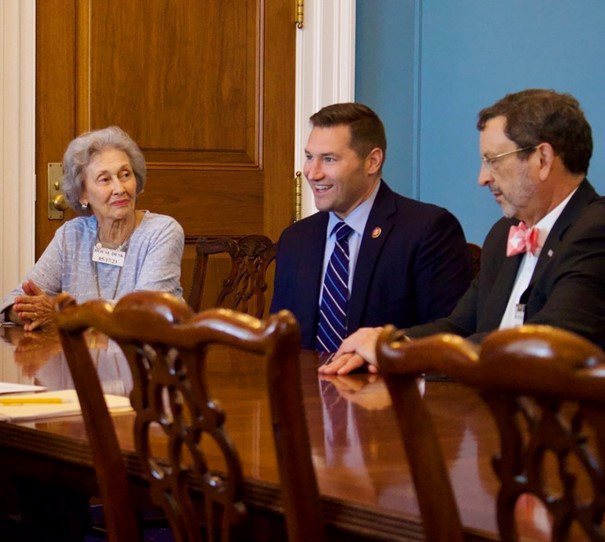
[(10, 387)]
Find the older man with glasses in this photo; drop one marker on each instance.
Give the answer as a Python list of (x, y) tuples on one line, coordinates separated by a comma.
[(544, 263)]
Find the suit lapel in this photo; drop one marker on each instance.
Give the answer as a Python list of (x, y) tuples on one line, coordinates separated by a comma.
[(312, 248), (380, 220), (499, 293), (583, 196)]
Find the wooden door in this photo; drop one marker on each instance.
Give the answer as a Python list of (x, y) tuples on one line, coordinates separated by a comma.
[(205, 87)]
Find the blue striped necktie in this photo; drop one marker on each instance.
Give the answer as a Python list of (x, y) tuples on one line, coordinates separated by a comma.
[(332, 327)]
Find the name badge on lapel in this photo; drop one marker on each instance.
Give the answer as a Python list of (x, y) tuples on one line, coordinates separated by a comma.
[(110, 256), (519, 314)]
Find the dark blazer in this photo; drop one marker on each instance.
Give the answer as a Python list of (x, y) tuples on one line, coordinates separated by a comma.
[(413, 272), (566, 290)]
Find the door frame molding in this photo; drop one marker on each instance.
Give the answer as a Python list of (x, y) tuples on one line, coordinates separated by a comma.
[(325, 70), (325, 74), (17, 139)]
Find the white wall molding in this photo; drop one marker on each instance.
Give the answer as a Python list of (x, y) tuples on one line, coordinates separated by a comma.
[(325, 69), (17, 154), (17, 140)]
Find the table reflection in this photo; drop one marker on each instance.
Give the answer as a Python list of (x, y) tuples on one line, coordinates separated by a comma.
[(40, 360)]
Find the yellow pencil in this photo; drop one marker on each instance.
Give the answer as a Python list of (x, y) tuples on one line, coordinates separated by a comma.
[(30, 400)]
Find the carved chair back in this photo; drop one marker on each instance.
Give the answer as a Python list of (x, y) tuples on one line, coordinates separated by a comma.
[(165, 344), (545, 388), (245, 286)]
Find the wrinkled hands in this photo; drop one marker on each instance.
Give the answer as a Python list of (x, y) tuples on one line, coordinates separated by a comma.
[(354, 352), (34, 309)]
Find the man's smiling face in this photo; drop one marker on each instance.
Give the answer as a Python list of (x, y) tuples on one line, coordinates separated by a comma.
[(339, 178)]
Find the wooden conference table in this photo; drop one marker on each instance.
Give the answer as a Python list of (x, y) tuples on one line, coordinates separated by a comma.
[(361, 468)]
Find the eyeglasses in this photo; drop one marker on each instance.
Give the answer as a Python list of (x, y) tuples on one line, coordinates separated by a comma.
[(488, 161)]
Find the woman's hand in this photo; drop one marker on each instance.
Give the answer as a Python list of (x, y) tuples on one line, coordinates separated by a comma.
[(34, 309)]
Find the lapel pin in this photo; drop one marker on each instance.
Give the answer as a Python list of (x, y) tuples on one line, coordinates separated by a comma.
[(376, 232), (550, 252)]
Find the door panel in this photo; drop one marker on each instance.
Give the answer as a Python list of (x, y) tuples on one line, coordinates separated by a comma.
[(205, 87), (192, 65)]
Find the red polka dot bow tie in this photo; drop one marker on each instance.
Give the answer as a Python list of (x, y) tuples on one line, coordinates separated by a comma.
[(521, 239)]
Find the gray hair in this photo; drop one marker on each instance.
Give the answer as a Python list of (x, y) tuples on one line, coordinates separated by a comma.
[(80, 152)]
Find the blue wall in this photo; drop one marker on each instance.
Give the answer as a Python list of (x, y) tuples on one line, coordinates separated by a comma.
[(385, 80), (428, 67)]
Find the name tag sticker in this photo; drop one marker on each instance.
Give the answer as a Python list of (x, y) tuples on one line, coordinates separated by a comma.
[(108, 255), (519, 314)]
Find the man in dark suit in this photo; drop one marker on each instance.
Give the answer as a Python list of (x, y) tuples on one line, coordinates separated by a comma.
[(544, 263), (407, 261)]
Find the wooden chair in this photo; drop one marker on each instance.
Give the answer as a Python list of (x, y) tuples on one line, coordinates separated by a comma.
[(245, 286), (165, 344), (546, 390), (475, 252)]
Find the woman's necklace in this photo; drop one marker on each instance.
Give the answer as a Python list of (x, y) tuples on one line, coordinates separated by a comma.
[(115, 290), (122, 246), (120, 250)]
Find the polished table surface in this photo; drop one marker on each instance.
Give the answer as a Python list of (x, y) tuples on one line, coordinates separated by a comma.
[(360, 463)]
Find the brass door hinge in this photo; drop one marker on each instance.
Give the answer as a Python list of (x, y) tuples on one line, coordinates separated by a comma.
[(297, 196), (300, 13)]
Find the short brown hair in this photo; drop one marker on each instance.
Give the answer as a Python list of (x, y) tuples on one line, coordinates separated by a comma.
[(367, 130), (535, 116)]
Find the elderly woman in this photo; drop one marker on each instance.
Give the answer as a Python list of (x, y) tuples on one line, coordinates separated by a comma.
[(110, 250)]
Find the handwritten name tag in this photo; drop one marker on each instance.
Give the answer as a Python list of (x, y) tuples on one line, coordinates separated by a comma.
[(108, 255)]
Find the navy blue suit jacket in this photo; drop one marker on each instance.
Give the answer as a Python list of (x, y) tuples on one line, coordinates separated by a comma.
[(567, 288), (412, 273)]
